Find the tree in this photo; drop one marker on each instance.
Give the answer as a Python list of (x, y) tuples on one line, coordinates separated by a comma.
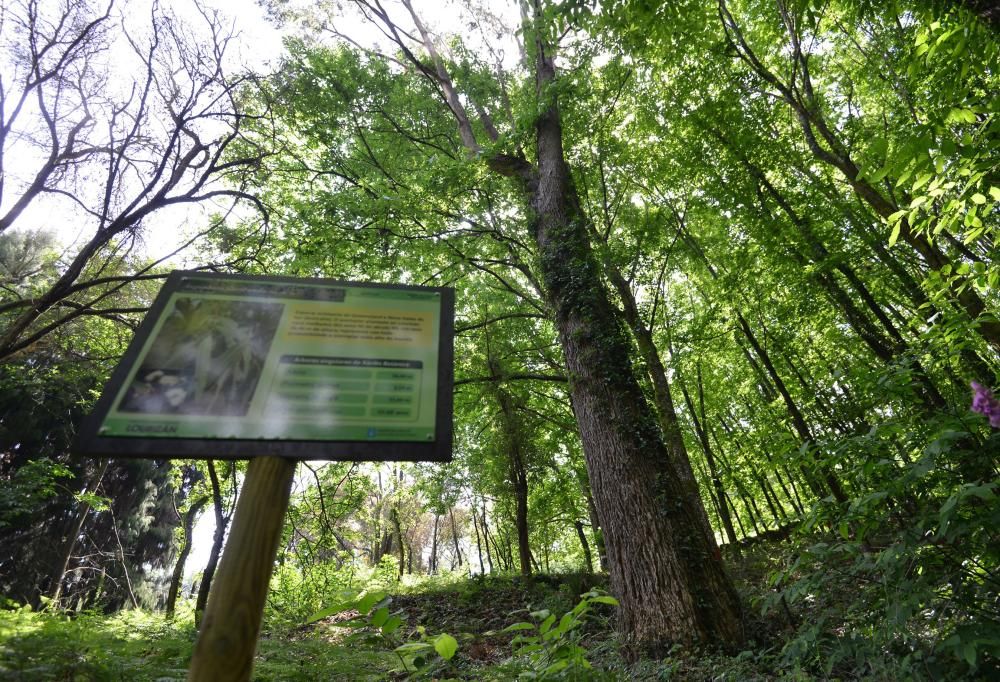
[(664, 567), (109, 120)]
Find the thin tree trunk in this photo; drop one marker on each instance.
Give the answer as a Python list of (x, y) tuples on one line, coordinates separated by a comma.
[(677, 455), (221, 522), (798, 420), (516, 455), (175, 579), (479, 546), (486, 538), (434, 545), (736, 515), (454, 536), (71, 537), (587, 559), (595, 524), (397, 526), (713, 469)]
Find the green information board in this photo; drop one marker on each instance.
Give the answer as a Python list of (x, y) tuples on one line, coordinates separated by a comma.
[(240, 366)]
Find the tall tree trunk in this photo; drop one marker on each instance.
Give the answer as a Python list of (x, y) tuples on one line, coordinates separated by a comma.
[(664, 567), (175, 579), (826, 145), (798, 420)]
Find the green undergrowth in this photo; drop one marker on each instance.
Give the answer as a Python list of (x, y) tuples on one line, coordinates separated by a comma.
[(137, 646), (816, 610)]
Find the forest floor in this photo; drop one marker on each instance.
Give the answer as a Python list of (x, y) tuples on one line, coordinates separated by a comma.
[(138, 645)]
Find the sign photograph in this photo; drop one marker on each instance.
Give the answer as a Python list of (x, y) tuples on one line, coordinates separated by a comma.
[(240, 366)]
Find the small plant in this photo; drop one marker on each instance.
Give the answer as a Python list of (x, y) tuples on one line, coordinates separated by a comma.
[(426, 655), (552, 648)]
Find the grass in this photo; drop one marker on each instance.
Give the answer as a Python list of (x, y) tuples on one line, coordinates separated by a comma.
[(137, 646)]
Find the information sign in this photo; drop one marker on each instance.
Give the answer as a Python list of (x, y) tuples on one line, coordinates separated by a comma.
[(232, 366)]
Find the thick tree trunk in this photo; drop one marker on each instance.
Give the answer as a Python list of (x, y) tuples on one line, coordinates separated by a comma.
[(175, 579), (664, 568)]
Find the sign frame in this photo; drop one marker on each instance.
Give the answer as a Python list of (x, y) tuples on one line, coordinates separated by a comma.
[(90, 442)]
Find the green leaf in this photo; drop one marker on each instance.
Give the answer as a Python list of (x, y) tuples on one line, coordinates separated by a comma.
[(547, 623), (380, 617), (995, 193), (605, 599), (969, 652), (445, 645), (557, 666), (922, 180), (391, 625), (948, 505), (978, 198), (518, 626), (366, 603), (412, 647), (565, 624), (320, 615), (895, 233)]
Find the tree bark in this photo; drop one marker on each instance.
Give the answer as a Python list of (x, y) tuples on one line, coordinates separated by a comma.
[(664, 568), (397, 526)]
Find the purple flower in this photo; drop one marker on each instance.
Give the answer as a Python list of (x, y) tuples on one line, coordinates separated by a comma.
[(984, 403)]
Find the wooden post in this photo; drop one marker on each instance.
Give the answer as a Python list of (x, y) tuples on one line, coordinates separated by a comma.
[(227, 641)]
